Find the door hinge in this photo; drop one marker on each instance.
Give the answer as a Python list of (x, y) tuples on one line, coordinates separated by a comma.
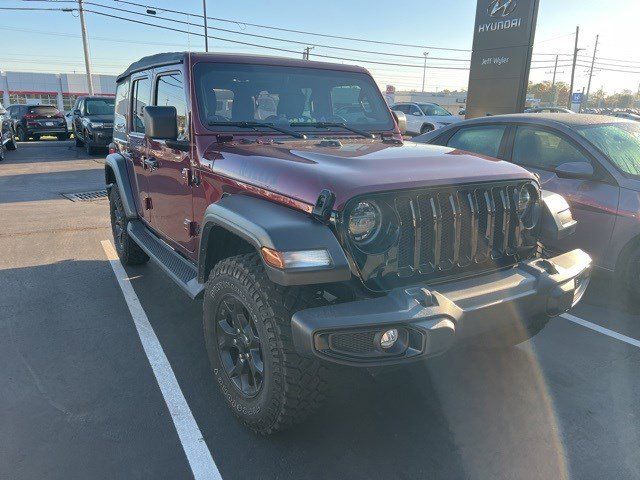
[(190, 177), (148, 204), (192, 228)]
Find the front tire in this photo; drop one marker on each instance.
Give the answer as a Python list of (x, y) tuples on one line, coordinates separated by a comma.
[(90, 149), (22, 135), (247, 330), (78, 141), (128, 250), (12, 145)]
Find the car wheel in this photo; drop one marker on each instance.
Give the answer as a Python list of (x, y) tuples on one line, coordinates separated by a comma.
[(22, 135), (247, 331), (78, 141), (632, 275), (128, 250), (1, 152), (36, 137), (62, 136), (426, 128), (12, 145)]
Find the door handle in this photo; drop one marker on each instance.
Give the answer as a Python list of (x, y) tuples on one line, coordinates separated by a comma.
[(150, 163)]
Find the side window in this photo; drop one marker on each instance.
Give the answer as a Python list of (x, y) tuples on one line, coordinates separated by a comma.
[(398, 108), (121, 111), (538, 148), (484, 139), (170, 92), (413, 110), (141, 98), (81, 106)]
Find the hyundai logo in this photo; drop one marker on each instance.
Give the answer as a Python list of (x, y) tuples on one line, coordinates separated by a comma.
[(501, 8)]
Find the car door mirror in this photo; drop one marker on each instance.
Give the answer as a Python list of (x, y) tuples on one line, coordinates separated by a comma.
[(76, 112), (577, 170), (401, 120), (161, 123)]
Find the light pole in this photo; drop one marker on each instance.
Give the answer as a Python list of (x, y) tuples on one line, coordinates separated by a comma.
[(424, 69), (85, 45), (206, 29), (593, 61)]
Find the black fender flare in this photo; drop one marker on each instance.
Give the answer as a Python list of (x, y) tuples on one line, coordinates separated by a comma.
[(115, 171), (265, 224)]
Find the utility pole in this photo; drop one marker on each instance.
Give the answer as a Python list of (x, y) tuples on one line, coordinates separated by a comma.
[(424, 69), (573, 69), (305, 53), (206, 28), (85, 45), (593, 61), (554, 97)]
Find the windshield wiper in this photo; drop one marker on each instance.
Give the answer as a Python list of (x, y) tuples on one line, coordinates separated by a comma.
[(254, 126), (334, 124)]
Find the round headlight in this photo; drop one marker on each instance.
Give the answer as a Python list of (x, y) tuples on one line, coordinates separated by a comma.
[(364, 221), (524, 200)]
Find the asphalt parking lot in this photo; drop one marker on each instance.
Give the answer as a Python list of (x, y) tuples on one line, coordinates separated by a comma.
[(79, 399)]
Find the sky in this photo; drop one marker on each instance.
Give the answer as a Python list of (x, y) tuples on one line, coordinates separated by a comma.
[(49, 41)]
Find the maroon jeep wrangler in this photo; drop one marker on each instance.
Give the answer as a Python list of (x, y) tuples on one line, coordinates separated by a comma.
[(282, 190)]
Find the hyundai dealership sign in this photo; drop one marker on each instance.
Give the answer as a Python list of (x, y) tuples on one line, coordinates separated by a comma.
[(502, 47)]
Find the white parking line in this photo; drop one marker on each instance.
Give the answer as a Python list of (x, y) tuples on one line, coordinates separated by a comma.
[(195, 448), (599, 329)]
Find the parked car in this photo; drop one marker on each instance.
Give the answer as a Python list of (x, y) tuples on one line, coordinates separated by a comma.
[(627, 116), (35, 121), (592, 160), (425, 117), (548, 110), (7, 136), (93, 122), (317, 241)]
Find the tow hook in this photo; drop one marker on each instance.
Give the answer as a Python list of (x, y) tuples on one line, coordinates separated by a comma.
[(324, 206)]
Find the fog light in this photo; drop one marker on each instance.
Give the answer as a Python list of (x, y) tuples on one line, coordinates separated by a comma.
[(389, 338), (581, 284)]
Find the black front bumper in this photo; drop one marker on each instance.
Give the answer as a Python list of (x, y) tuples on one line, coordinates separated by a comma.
[(431, 320), (100, 138)]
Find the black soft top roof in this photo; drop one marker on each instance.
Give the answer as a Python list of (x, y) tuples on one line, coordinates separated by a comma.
[(152, 61)]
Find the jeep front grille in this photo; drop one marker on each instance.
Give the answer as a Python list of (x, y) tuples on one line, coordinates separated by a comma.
[(448, 232)]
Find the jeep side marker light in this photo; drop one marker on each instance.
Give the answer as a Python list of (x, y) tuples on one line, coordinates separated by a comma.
[(389, 338), (298, 259)]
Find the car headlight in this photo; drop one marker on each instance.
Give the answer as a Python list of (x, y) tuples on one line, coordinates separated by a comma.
[(364, 221), (526, 205), (96, 124)]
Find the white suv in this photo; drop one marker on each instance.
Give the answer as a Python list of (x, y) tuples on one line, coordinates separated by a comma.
[(425, 117)]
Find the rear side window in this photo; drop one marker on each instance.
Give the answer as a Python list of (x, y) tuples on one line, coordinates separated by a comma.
[(141, 98), (42, 110), (170, 93), (484, 140), (537, 148), (121, 109)]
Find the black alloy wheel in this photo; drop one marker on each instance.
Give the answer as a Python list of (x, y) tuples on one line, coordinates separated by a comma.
[(239, 349)]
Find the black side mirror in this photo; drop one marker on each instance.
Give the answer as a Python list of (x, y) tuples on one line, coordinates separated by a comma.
[(577, 170), (161, 123), (77, 112)]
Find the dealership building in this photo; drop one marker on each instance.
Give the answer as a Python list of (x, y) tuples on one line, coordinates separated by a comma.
[(59, 89)]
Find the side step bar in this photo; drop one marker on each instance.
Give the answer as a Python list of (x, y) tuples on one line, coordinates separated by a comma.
[(181, 271)]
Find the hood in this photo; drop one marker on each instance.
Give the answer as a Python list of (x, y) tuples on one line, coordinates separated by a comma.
[(445, 120), (100, 118), (302, 169)]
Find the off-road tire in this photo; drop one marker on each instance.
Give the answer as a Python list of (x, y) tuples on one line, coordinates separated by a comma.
[(79, 142), (36, 138), (2, 150), (22, 134), (293, 386), (90, 149), (426, 128), (128, 250)]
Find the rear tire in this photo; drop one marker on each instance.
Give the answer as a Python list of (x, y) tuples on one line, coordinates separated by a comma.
[(128, 250), (272, 387), (62, 136), (36, 137), (632, 276), (1, 153), (78, 141), (12, 145)]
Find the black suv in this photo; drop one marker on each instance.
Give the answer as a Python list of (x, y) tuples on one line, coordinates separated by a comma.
[(35, 121), (93, 122)]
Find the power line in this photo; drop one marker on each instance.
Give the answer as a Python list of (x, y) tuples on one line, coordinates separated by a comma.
[(302, 32)]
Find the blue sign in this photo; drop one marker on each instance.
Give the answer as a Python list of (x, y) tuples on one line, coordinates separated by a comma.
[(577, 97)]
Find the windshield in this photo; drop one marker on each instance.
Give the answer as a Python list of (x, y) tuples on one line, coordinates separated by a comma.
[(619, 141), (287, 96), (99, 106), (433, 110)]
